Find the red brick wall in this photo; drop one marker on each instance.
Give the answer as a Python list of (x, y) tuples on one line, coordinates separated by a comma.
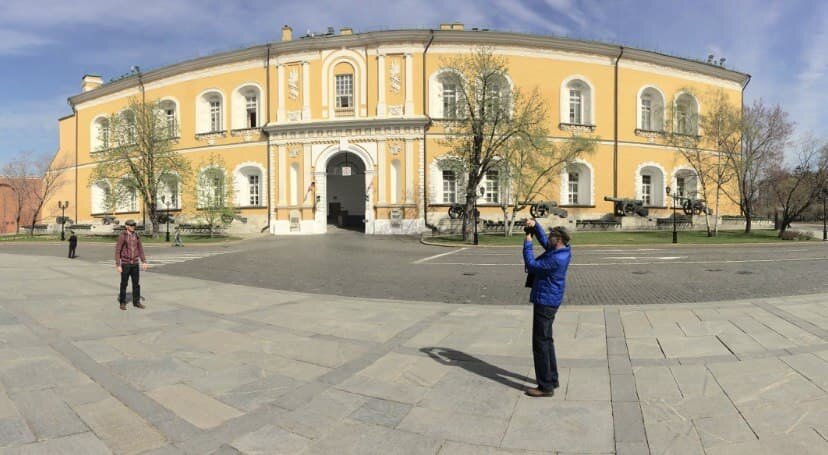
[(8, 209)]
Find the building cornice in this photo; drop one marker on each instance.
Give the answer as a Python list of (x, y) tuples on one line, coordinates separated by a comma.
[(379, 38), (280, 129)]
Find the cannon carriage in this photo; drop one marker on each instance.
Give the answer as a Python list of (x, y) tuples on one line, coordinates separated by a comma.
[(628, 207)]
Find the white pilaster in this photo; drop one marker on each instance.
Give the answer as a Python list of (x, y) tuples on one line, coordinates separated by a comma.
[(409, 85), (381, 106), (306, 111), (280, 94), (306, 152)]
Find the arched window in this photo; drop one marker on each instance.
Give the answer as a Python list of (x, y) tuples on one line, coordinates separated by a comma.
[(249, 191), (100, 134), (447, 180), (102, 200), (650, 109), (445, 100), (344, 100), (577, 184), (211, 188), (498, 96), (686, 183), (127, 195), (576, 102), (129, 128), (247, 102), (169, 192), (491, 182), (449, 194), (169, 117), (210, 112), (687, 113), (650, 180)]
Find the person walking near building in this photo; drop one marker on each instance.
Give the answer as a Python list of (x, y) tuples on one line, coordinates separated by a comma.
[(129, 256), (547, 278), (177, 240), (73, 244)]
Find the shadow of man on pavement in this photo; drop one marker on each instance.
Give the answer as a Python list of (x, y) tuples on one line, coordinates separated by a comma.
[(447, 356)]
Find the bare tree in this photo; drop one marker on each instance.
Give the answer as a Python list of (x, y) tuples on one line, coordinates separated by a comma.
[(706, 154), (531, 165), (137, 146), (214, 193), (795, 187), (17, 175), (765, 132), (491, 117), (37, 179)]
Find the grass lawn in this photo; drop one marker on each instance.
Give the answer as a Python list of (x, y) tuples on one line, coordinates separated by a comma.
[(631, 238), (111, 239)]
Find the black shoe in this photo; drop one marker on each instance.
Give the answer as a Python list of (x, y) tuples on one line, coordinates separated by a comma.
[(537, 392)]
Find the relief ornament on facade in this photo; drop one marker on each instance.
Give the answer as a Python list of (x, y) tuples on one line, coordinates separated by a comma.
[(396, 82), (293, 84)]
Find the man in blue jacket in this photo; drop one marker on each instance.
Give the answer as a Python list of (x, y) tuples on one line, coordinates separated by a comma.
[(548, 279)]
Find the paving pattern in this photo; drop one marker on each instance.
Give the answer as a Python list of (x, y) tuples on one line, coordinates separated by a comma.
[(228, 369)]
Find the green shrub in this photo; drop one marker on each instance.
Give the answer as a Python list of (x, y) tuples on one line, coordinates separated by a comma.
[(797, 235)]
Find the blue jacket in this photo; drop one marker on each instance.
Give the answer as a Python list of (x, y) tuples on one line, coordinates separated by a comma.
[(548, 269)]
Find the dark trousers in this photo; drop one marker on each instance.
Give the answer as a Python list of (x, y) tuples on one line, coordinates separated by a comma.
[(127, 271), (72, 249), (543, 347)]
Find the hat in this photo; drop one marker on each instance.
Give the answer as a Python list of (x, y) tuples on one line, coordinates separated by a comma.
[(129, 223), (561, 232)]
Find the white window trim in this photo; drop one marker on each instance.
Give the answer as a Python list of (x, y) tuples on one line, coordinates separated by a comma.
[(202, 116), (177, 105), (695, 191), (238, 112), (638, 107), (435, 99), (564, 100), (357, 61), (240, 183), (564, 179), (678, 95), (94, 137), (659, 194)]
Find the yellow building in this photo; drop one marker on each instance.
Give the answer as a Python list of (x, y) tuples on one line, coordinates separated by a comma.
[(346, 127)]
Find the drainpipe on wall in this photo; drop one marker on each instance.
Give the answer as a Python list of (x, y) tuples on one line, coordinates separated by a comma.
[(615, 129), (267, 122), (425, 143), (75, 113)]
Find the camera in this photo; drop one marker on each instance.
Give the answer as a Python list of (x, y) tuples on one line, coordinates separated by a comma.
[(529, 229)]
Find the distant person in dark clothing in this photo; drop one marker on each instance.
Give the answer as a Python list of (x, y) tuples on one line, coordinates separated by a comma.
[(547, 277), (129, 256), (177, 240), (73, 244)]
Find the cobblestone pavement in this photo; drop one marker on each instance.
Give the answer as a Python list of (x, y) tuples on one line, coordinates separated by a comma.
[(353, 265), (225, 369)]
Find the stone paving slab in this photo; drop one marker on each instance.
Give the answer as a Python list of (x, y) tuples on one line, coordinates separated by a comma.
[(216, 368)]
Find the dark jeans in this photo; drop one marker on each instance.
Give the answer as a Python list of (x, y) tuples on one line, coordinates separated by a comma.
[(127, 271), (543, 347), (72, 250)]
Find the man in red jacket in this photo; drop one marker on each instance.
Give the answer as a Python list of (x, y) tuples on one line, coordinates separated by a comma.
[(129, 256)]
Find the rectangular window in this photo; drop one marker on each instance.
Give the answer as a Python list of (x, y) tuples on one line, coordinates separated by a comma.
[(253, 181), (575, 109), (646, 189), (449, 101), (215, 116), (449, 187), (169, 117), (218, 191), (573, 187), (344, 95), (646, 114), (105, 136), (680, 186), (492, 194), (252, 109)]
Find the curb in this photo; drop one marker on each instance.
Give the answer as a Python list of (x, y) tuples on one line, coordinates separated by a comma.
[(614, 245)]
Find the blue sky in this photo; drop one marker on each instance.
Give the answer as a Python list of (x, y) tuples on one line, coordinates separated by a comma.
[(47, 45)]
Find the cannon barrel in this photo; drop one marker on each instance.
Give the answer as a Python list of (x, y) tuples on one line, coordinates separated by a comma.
[(612, 199)]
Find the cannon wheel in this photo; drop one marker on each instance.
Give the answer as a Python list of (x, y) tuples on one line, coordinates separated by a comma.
[(687, 208), (455, 211), (538, 210)]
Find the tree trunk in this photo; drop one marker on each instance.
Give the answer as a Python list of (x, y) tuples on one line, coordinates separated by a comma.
[(469, 211), (747, 223)]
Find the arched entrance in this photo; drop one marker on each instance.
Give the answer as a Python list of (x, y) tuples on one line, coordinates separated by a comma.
[(346, 197)]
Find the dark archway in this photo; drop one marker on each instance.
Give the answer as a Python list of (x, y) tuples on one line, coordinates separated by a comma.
[(345, 191)]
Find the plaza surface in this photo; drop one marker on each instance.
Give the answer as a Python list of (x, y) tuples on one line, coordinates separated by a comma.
[(211, 367)]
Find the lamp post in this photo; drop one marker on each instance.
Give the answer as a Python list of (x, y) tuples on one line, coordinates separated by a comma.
[(476, 214), (63, 205), (675, 232), (167, 204), (824, 221)]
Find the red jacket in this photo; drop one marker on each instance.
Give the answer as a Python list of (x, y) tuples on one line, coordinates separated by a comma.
[(129, 249)]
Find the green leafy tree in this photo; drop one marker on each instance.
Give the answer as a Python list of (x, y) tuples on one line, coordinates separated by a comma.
[(214, 194), (137, 145)]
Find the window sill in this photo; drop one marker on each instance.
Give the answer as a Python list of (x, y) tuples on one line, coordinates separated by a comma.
[(211, 136), (576, 127), (395, 205), (252, 207), (650, 133), (577, 206)]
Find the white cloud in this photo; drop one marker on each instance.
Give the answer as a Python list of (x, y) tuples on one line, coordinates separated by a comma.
[(13, 42)]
